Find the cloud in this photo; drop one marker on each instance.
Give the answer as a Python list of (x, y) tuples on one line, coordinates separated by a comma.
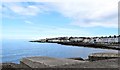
[(28, 22), (90, 13), (30, 10), (83, 13), (25, 8), (107, 23)]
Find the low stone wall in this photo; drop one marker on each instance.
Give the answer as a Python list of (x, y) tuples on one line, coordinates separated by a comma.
[(102, 56)]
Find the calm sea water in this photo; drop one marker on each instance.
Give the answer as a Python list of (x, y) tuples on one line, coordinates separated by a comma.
[(15, 50)]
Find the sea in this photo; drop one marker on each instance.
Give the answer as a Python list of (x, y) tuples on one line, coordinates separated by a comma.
[(14, 50)]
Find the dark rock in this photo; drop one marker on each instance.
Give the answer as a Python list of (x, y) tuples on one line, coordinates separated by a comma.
[(76, 58)]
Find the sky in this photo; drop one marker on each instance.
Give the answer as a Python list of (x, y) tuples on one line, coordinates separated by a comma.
[(39, 19)]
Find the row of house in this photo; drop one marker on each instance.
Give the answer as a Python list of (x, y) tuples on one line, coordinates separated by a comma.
[(110, 39), (58, 39)]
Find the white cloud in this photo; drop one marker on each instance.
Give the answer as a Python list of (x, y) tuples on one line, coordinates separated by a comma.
[(28, 22), (22, 9), (90, 13), (30, 10), (109, 23), (84, 13)]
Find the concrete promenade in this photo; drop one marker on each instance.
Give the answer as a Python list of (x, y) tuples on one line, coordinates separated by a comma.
[(48, 62)]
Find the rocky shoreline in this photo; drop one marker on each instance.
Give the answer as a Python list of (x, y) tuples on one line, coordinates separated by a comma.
[(111, 42), (95, 60), (102, 46)]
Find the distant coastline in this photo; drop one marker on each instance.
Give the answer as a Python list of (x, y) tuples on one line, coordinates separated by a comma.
[(111, 42)]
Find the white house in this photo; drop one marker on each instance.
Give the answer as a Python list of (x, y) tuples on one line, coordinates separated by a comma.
[(86, 40), (116, 39), (105, 40), (64, 40), (43, 40), (76, 39), (53, 40), (99, 40), (91, 40), (111, 40)]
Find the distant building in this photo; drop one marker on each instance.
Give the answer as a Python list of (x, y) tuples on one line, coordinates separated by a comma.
[(53, 40), (102, 40), (116, 39), (76, 39), (86, 40), (99, 40), (91, 40), (111, 40), (105, 40), (42, 40), (64, 39), (59, 39)]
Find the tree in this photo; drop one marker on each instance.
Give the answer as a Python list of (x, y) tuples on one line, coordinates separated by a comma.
[(118, 35), (115, 36), (110, 36), (70, 38)]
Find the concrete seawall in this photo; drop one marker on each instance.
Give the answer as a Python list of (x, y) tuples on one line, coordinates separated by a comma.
[(103, 56)]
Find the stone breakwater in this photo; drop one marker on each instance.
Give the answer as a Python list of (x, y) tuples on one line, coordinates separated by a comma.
[(107, 60)]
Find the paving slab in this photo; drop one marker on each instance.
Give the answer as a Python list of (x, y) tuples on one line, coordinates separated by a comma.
[(46, 62), (108, 63)]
